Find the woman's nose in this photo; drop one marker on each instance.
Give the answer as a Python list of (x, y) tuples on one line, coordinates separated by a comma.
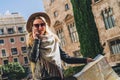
[(40, 28)]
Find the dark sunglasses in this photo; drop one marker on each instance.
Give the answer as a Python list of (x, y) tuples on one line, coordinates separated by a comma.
[(39, 25)]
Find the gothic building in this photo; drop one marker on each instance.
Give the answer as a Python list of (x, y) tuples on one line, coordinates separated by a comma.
[(62, 24), (107, 18)]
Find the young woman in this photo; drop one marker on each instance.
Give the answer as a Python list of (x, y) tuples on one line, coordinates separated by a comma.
[(44, 52)]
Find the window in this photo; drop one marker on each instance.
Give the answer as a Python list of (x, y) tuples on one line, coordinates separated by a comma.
[(15, 59), (73, 32), (1, 32), (51, 1), (12, 40), (10, 30), (22, 39), (115, 46), (108, 18), (3, 52), (77, 53), (20, 29), (1, 41), (24, 50), (5, 62), (26, 60), (119, 3), (96, 0), (14, 51), (55, 14), (66, 7), (60, 34)]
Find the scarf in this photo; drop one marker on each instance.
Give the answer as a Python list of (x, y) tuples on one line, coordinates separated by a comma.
[(49, 62)]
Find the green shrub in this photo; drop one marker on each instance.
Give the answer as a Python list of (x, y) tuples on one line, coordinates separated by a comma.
[(72, 70)]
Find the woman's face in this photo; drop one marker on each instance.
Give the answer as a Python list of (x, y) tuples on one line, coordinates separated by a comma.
[(39, 27)]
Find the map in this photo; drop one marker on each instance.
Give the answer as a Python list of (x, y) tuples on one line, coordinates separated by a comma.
[(97, 70)]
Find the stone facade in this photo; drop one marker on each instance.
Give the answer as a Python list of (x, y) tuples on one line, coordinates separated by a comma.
[(109, 37), (12, 39), (61, 14), (62, 24)]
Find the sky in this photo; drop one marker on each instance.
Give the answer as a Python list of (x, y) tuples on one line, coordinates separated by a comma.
[(23, 7)]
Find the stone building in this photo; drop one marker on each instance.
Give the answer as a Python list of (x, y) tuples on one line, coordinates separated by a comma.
[(12, 39), (62, 24), (107, 18)]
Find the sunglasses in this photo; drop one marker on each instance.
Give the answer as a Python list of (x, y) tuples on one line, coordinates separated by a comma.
[(39, 25)]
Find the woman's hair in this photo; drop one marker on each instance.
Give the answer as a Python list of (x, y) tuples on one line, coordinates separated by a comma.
[(48, 31)]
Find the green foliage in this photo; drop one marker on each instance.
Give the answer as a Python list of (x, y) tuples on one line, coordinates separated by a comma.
[(13, 71), (73, 70), (88, 34)]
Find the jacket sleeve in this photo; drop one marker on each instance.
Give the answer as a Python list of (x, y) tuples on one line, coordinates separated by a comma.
[(71, 60), (32, 51)]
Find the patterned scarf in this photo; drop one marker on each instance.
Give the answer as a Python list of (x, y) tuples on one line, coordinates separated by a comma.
[(49, 63)]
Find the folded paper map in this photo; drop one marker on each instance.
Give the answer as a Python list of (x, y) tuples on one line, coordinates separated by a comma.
[(97, 70)]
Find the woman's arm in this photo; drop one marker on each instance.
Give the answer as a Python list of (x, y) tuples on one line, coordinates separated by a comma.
[(32, 51), (71, 60)]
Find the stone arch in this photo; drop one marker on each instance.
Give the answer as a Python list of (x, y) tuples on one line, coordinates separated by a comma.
[(57, 23), (68, 17)]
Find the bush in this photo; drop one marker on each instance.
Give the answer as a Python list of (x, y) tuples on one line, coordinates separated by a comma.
[(13, 71), (73, 70)]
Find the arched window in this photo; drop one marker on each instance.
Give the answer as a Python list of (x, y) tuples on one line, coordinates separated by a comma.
[(108, 18)]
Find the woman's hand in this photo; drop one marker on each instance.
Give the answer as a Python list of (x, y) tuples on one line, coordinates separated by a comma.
[(35, 34), (90, 60)]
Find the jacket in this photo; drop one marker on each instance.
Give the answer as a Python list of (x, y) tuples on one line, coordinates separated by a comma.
[(33, 55)]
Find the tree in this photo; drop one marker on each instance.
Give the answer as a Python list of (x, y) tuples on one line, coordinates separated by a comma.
[(13, 71), (88, 34)]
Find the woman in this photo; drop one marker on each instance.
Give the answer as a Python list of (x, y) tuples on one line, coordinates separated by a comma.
[(44, 52)]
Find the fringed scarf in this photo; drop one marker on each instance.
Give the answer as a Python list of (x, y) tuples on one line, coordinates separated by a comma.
[(49, 63)]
